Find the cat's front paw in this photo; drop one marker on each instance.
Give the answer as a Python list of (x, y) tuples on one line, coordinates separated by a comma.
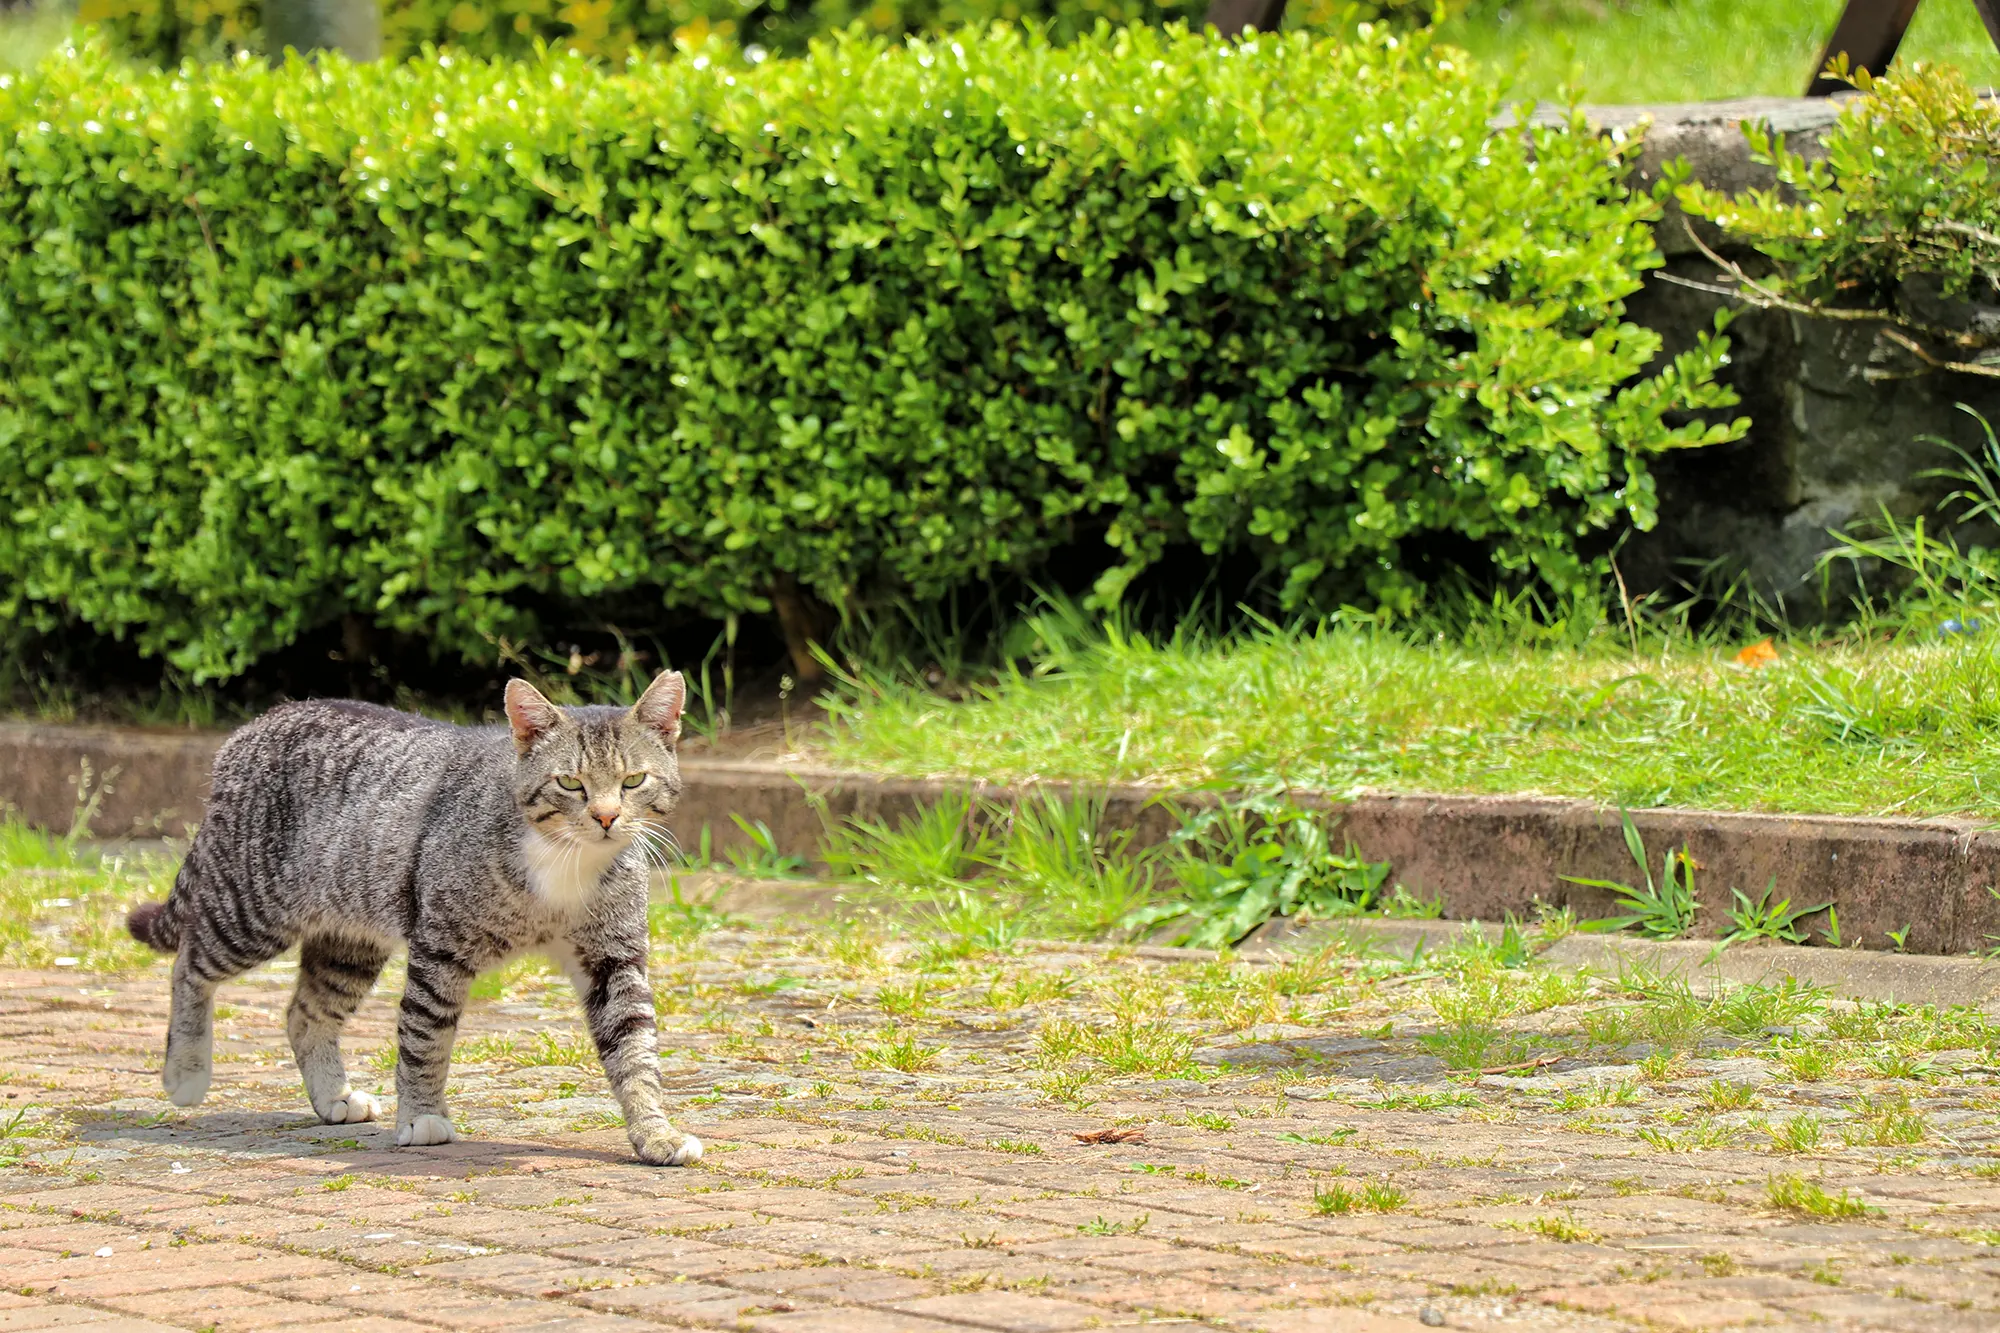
[(669, 1148), (351, 1108), (424, 1131)]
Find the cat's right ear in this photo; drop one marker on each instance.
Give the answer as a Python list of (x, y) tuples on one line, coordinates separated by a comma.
[(529, 714)]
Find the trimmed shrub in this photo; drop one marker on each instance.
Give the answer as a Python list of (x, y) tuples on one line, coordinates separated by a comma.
[(168, 31), (449, 344)]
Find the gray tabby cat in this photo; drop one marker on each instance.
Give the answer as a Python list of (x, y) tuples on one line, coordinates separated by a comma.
[(348, 828)]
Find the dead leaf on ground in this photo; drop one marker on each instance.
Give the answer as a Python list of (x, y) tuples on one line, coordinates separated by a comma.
[(1112, 1136), (1758, 654)]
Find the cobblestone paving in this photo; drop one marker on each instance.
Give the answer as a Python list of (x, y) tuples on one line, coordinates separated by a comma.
[(897, 1149)]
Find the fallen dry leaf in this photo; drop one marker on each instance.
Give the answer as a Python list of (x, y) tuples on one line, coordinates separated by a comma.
[(1113, 1136), (1758, 654)]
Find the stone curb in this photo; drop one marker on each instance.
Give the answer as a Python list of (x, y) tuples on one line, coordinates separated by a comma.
[(1480, 856), (1854, 974)]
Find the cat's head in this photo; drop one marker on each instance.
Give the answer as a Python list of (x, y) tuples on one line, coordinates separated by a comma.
[(598, 777)]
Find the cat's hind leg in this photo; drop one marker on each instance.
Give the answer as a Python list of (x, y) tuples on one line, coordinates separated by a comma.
[(336, 972), (213, 949), (190, 1063)]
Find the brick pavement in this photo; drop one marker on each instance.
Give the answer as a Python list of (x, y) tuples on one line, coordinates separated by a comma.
[(843, 1193)]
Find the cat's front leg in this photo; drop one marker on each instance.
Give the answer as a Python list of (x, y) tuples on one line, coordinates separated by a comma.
[(618, 1005), (433, 999)]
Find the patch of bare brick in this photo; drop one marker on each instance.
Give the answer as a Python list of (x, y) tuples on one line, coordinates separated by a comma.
[(894, 1148)]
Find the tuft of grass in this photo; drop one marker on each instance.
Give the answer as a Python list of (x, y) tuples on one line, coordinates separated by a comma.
[(903, 1053), (1766, 920), (1808, 1198), (1809, 1063), (1885, 1122), (1019, 1147), (1124, 1047), (1800, 1134), (1662, 909), (1719, 1096), (1100, 1226), (1562, 1227), (1376, 1196)]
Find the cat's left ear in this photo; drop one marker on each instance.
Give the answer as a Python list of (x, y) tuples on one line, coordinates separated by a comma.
[(659, 708), (529, 714)]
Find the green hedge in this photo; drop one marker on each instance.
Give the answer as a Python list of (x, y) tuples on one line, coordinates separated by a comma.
[(167, 31), (450, 343)]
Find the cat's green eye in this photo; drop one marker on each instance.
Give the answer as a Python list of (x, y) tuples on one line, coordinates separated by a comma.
[(570, 784), (634, 779)]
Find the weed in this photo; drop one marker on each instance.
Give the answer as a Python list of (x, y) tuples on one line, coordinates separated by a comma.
[(1796, 1194), (1899, 1062), (1126, 1047), (762, 859), (902, 1053), (1766, 920), (1885, 1123), (1377, 1196), (1802, 1133), (1019, 1147), (938, 848), (1335, 1199), (1751, 1009), (1209, 1120), (1421, 1101), (1239, 864), (1809, 1063), (1327, 1139), (1720, 1096), (1697, 1137), (911, 1000), (1562, 1227), (1663, 909), (1066, 1086), (1099, 1226), (1078, 875)]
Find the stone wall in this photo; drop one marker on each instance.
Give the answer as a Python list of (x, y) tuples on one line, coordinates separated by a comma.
[(1827, 446)]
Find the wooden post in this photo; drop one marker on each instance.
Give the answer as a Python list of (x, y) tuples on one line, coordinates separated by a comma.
[(353, 27), (1989, 14), (1232, 17), (1869, 32)]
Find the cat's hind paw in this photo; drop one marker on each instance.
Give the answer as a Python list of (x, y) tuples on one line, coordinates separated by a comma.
[(351, 1108), (187, 1084), (669, 1148), (424, 1131)]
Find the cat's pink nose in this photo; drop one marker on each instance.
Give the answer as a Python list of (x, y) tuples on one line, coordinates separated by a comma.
[(605, 817)]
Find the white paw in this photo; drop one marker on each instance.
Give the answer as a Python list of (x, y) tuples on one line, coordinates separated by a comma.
[(187, 1086), (424, 1131), (671, 1149), (351, 1108)]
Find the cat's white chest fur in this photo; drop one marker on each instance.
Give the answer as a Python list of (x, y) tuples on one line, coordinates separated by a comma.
[(564, 875)]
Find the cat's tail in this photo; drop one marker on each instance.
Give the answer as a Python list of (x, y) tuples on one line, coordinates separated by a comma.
[(156, 925)]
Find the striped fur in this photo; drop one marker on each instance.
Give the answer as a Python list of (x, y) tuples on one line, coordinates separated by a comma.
[(349, 830)]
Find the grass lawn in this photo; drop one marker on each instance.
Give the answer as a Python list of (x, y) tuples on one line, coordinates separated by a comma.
[(1865, 724), (1692, 50)]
